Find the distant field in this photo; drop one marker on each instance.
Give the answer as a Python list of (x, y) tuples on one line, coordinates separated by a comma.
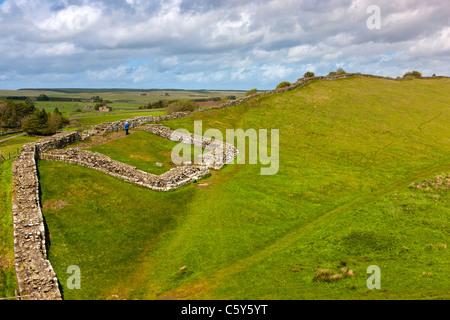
[(349, 151), (121, 99)]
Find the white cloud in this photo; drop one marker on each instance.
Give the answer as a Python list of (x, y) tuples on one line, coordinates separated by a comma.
[(72, 18), (58, 49), (215, 43), (438, 43)]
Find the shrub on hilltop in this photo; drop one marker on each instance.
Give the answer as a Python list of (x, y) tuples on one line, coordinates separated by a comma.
[(250, 92), (284, 84), (338, 72), (412, 74), (160, 104)]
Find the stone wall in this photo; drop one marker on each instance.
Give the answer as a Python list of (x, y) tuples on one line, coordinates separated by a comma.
[(35, 275), (220, 153), (172, 179), (9, 132), (108, 127)]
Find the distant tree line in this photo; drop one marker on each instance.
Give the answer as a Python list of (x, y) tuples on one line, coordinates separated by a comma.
[(16, 115), (224, 98), (182, 106), (172, 106), (12, 114), (156, 105), (162, 104), (43, 123)]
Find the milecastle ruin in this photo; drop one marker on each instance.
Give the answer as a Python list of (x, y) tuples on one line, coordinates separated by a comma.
[(35, 276)]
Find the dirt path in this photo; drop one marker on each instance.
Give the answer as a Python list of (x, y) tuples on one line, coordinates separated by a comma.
[(6, 139)]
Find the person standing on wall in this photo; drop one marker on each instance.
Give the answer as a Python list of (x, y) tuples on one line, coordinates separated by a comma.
[(127, 126)]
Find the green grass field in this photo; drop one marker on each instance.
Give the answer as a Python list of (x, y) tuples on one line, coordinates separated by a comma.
[(349, 150)]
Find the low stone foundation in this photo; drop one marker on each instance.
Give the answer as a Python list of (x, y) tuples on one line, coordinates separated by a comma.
[(36, 278), (172, 179), (220, 153)]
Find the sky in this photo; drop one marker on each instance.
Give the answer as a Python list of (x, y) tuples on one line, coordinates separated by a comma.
[(215, 44)]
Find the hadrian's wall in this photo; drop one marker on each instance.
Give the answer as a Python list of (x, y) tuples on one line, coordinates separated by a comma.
[(219, 153), (35, 275)]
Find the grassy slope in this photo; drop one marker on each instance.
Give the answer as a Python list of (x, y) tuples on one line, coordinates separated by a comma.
[(347, 148)]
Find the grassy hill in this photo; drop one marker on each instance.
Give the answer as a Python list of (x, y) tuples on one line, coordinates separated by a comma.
[(349, 151)]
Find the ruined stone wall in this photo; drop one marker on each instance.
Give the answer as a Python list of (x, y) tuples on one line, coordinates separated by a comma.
[(172, 179), (9, 132), (108, 127), (220, 153), (35, 275)]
